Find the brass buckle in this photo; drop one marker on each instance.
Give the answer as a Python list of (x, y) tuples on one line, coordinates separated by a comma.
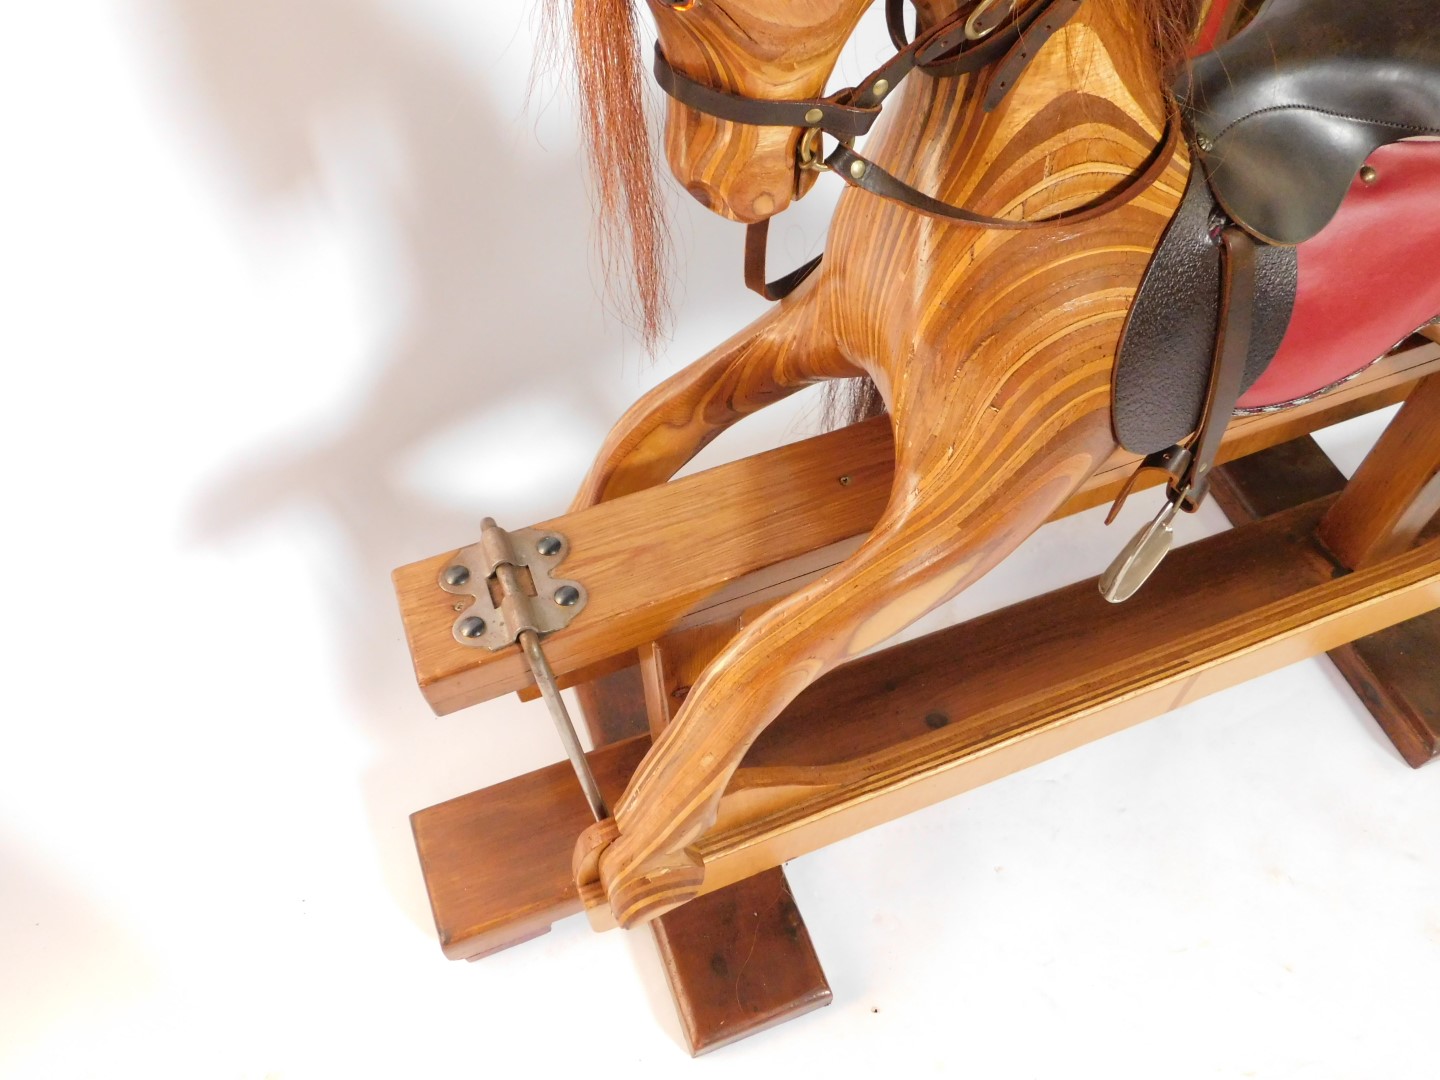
[(811, 152)]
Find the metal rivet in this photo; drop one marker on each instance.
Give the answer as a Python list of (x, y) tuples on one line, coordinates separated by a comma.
[(857, 169), (549, 545), (845, 481), (1205, 143), (457, 575), (814, 116), (472, 627), (881, 88), (1369, 174), (567, 596)]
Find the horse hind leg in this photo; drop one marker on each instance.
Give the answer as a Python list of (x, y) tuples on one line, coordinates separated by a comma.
[(957, 509), (784, 351)]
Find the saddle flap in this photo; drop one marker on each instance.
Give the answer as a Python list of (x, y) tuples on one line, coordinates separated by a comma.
[(1162, 370)]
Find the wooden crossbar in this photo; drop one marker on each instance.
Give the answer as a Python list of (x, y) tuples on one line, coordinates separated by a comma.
[(889, 734), (700, 549)]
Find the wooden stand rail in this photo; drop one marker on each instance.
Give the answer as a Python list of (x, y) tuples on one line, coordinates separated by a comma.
[(703, 549), (887, 735)]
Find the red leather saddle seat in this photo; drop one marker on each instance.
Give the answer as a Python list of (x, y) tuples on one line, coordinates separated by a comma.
[(1368, 281)]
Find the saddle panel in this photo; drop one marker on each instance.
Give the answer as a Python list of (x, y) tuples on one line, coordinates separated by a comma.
[(1286, 112), (1370, 279), (1162, 368)]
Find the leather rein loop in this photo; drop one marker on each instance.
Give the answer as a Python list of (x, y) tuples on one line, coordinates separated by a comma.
[(979, 35)]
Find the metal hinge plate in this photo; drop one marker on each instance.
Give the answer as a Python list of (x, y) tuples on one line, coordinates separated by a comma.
[(510, 581)]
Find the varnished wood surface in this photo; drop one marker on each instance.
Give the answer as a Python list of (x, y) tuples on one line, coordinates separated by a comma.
[(1396, 491), (739, 960), (1395, 672), (928, 719), (704, 548)]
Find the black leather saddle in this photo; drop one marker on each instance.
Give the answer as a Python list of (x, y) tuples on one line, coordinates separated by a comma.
[(1285, 114), (1280, 119)]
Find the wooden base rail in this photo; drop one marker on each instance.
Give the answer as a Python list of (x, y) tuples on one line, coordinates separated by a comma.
[(702, 549), (889, 734)]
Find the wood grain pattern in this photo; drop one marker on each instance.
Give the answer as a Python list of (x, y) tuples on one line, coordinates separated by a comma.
[(993, 350), (738, 960), (742, 172), (1396, 491), (945, 713), (704, 548)]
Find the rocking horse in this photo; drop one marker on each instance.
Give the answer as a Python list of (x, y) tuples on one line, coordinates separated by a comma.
[(1065, 280)]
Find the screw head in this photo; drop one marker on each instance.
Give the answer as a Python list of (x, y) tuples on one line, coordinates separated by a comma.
[(472, 627), (1205, 143), (567, 596), (857, 169), (814, 116), (549, 545), (457, 575), (1369, 174)]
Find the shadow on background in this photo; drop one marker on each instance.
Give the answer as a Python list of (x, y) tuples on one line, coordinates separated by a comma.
[(482, 256)]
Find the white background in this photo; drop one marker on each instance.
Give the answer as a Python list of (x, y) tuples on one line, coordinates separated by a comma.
[(295, 291)]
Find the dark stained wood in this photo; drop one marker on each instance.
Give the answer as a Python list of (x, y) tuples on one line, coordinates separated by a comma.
[(740, 961), (614, 706), (922, 721), (1396, 491), (497, 868), (1395, 672), (1276, 479)]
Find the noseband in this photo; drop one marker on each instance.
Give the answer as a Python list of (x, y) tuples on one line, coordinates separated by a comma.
[(985, 35)]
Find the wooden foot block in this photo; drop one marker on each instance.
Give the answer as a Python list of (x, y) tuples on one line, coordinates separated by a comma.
[(1395, 672), (739, 961), (497, 867)]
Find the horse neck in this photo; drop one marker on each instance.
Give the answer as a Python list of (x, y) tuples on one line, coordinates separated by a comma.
[(1096, 86)]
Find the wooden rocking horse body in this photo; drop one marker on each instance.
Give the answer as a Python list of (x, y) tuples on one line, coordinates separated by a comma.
[(984, 273), (994, 351)]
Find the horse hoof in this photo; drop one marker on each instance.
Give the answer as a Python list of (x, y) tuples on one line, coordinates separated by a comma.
[(639, 893)]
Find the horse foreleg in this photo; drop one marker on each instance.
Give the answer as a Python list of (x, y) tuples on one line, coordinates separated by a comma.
[(778, 354), (959, 506)]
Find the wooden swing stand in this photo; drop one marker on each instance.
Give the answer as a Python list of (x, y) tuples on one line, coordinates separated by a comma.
[(1313, 565)]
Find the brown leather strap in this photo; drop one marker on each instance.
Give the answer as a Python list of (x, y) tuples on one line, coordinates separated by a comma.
[(1232, 351), (1188, 466), (1049, 19), (895, 23), (829, 114), (756, 237), (860, 172)]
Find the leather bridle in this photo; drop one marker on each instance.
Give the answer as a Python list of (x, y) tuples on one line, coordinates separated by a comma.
[(983, 35)]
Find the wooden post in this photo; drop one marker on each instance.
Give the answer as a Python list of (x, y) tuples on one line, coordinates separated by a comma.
[(1393, 671), (1396, 491)]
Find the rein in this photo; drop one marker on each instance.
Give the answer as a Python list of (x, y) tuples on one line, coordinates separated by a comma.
[(985, 35)]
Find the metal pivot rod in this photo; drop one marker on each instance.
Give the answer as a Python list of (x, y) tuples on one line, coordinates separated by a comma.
[(545, 680), (527, 600)]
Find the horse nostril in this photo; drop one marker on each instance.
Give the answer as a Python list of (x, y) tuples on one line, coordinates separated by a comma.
[(704, 193)]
